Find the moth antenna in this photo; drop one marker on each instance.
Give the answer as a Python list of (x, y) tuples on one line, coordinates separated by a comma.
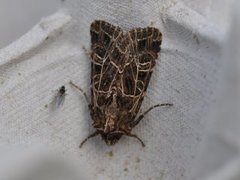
[(135, 136), (90, 136), (81, 90), (147, 111)]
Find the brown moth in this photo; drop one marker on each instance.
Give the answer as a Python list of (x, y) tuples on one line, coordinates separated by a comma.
[(121, 68)]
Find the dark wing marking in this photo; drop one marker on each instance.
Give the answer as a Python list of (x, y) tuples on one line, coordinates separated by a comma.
[(103, 36), (145, 45)]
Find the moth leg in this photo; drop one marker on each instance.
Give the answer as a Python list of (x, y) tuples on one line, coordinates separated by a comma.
[(147, 111), (90, 136), (81, 90), (135, 136)]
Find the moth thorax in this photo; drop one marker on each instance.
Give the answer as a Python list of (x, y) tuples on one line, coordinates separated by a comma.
[(110, 124)]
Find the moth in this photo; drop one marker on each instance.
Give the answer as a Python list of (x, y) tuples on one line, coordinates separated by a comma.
[(121, 68)]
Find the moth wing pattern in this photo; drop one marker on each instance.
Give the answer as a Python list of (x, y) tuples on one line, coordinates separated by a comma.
[(121, 63), (145, 46), (103, 36)]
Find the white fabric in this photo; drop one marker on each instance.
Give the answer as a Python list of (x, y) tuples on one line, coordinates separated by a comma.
[(51, 54)]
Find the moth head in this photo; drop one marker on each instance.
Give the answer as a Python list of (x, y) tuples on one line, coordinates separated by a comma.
[(111, 138)]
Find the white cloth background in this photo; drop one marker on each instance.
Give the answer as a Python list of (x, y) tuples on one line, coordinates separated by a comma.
[(36, 65)]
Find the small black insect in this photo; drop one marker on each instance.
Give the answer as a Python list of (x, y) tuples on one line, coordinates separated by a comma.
[(59, 98), (62, 91)]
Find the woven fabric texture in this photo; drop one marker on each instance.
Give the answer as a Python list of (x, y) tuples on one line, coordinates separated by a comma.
[(50, 55)]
